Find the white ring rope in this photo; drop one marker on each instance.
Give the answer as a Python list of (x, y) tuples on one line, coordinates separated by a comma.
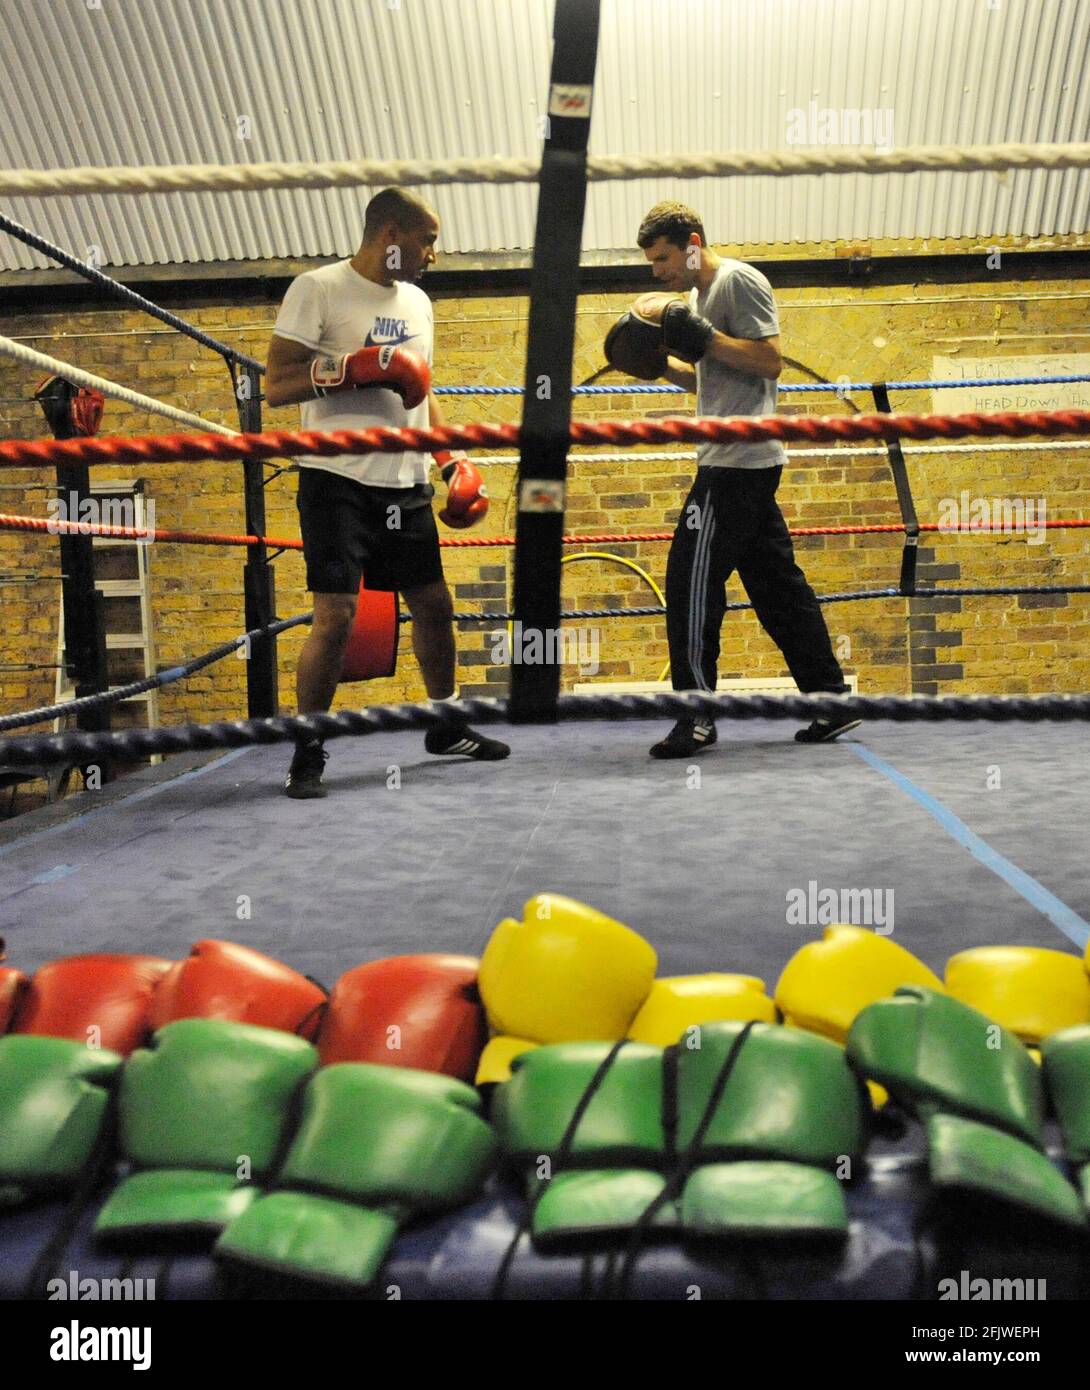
[(224, 178), (53, 366), (942, 449), (839, 451)]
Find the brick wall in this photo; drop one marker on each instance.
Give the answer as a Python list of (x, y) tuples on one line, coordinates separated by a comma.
[(1000, 644)]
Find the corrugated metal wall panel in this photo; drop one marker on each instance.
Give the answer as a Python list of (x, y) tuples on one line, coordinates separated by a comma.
[(170, 81), (950, 71)]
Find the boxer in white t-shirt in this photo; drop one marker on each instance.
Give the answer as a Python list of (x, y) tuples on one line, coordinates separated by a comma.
[(353, 346)]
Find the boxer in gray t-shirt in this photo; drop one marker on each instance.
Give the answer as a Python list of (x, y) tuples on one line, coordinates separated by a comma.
[(739, 301), (724, 344)]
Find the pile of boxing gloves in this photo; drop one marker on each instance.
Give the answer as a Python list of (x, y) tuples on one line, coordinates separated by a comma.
[(230, 1096), (719, 1112), (208, 1079)]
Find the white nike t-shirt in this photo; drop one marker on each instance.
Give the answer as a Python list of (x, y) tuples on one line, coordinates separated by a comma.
[(335, 310)]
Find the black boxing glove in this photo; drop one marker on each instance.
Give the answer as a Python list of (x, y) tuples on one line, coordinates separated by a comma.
[(685, 334), (634, 346)]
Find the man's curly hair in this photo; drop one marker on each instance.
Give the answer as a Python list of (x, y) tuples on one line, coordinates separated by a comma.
[(675, 221)]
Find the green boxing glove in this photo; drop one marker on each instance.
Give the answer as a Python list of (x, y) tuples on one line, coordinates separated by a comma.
[(1067, 1075), (601, 1177), (976, 1090), (54, 1099), (375, 1146), (765, 1146), (935, 1054), (203, 1111)]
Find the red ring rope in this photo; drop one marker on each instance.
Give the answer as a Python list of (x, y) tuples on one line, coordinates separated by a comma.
[(10, 522), (176, 448)]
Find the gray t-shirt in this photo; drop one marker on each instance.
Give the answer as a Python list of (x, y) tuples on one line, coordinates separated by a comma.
[(739, 303)]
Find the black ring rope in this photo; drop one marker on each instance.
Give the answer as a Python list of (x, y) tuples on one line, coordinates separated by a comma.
[(126, 692), (657, 610), (120, 291), (121, 693), (241, 733)]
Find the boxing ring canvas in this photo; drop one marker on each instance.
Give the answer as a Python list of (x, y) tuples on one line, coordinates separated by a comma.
[(969, 835)]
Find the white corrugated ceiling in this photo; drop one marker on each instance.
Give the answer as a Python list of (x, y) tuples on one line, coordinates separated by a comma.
[(91, 82)]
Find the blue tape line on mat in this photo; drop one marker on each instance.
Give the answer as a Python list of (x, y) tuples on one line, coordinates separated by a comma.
[(121, 801), (1074, 927), (59, 871)]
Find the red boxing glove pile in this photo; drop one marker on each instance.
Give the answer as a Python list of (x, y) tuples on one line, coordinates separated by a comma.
[(396, 368), (467, 498)]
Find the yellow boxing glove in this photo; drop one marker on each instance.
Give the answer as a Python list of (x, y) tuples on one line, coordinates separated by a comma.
[(681, 1002), (499, 1052), (827, 983), (565, 973), (1031, 991)]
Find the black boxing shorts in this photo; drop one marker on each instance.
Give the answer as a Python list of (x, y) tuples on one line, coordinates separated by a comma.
[(383, 535)]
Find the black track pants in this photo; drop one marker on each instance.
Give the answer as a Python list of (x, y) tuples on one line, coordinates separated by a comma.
[(730, 521)]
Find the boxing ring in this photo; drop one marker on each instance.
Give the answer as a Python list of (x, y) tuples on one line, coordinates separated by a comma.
[(176, 850), (944, 823)]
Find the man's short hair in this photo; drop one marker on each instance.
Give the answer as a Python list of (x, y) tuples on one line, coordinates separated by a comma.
[(674, 221), (397, 205)]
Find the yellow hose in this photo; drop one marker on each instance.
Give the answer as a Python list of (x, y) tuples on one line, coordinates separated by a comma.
[(616, 560), (628, 564)]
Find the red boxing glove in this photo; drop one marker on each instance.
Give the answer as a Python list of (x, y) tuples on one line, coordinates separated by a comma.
[(221, 979), (396, 368), (467, 497), (110, 994), (421, 1012)]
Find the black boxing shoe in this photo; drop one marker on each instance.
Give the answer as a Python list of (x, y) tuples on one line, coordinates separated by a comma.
[(825, 730), (460, 739), (688, 736), (305, 774)]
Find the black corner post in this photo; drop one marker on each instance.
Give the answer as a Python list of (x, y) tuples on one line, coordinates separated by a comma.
[(84, 637), (84, 620), (262, 696), (547, 402), (899, 469)]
